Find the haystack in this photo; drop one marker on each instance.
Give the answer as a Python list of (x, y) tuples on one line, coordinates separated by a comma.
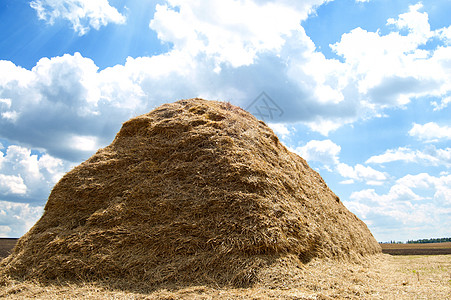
[(194, 192)]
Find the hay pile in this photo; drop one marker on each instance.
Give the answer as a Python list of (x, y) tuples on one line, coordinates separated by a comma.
[(194, 192)]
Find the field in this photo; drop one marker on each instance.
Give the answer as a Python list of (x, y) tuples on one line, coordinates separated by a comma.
[(380, 277), (417, 249), (5, 246)]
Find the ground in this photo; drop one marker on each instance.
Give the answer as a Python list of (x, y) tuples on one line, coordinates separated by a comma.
[(417, 249), (381, 277)]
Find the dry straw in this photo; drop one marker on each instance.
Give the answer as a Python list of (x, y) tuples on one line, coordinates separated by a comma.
[(195, 192)]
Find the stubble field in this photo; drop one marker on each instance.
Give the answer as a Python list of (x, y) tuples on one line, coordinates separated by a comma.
[(417, 249)]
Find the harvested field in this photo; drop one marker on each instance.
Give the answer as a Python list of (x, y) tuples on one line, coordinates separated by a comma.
[(417, 249), (6, 245), (381, 277)]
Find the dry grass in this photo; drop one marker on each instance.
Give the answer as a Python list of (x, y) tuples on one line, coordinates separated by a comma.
[(193, 193), (381, 277)]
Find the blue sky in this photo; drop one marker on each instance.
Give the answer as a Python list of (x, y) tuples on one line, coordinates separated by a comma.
[(362, 88)]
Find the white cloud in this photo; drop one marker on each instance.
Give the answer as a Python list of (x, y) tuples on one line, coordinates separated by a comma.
[(327, 153), (65, 97), (415, 203), (441, 185), (397, 193), (400, 204), (11, 73), (361, 173), (82, 14), (324, 151), (347, 181), (393, 69), (84, 143), (429, 156), (280, 129), (445, 34), (9, 115), (6, 103), (234, 32), (25, 183), (10, 184), (402, 153), (431, 132), (17, 218), (416, 23), (28, 177), (442, 105), (324, 125)]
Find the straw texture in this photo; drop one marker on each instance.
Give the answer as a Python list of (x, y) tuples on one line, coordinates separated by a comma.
[(195, 192)]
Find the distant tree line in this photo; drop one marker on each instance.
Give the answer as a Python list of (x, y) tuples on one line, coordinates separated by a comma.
[(421, 241), (433, 240)]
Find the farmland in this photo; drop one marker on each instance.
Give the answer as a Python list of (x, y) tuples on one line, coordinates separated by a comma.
[(6, 245), (417, 249)]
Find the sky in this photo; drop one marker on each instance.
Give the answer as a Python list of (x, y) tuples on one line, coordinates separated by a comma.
[(361, 89)]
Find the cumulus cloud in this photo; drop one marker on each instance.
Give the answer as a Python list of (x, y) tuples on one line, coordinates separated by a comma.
[(400, 204), (441, 185), (397, 193), (429, 156), (414, 204), (6, 113), (82, 14), (443, 103), (324, 151), (393, 69), (431, 132), (393, 213), (445, 34), (281, 130), (361, 173), (17, 218), (27, 177), (225, 31), (64, 105), (327, 153), (10, 184)]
